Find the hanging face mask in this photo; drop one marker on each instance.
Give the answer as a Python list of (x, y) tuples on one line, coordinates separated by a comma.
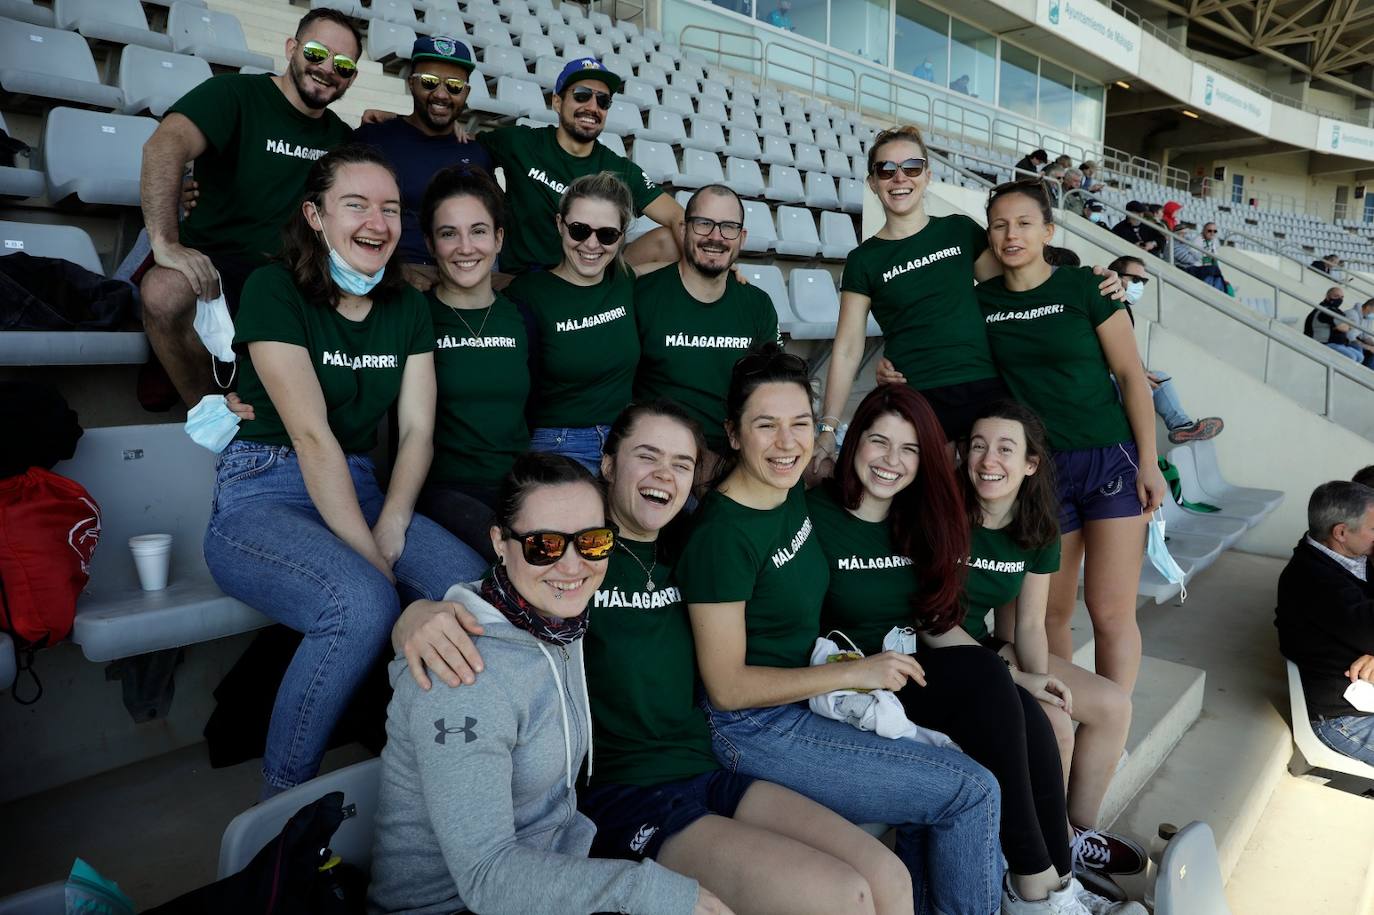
[(1160, 558), (211, 424), (216, 331), (347, 277), (1134, 291)]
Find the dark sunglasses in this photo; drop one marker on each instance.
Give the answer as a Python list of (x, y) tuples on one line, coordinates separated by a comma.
[(544, 548), (583, 94), (580, 231), (429, 82), (704, 227), (887, 170), (767, 363), (317, 53)]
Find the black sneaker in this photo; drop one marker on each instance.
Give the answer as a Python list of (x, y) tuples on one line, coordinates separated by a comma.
[(1106, 852)]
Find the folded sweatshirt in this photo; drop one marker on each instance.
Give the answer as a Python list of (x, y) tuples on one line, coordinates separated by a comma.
[(477, 808)]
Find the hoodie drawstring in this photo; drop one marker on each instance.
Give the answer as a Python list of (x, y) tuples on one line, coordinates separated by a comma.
[(563, 708)]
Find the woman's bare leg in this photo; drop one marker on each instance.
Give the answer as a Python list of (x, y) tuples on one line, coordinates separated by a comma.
[(1063, 595), (1113, 551), (1103, 712)]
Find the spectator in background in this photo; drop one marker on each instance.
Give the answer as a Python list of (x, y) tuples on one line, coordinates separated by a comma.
[(1327, 265), (1325, 614), (961, 84), (781, 17), (1090, 182), (1075, 198), (1063, 162), (1153, 227), (1133, 230), (252, 140), (1032, 163), (925, 71), (1095, 212), (1326, 328), (421, 143)]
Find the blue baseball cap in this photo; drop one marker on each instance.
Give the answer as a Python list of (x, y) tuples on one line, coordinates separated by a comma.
[(586, 68), (439, 47)]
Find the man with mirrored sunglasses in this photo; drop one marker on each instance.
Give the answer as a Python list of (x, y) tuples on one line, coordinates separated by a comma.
[(252, 140), (423, 142), (540, 162), (698, 318)]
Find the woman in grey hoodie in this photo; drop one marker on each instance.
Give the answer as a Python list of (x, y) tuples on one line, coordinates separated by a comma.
[(477, 810)]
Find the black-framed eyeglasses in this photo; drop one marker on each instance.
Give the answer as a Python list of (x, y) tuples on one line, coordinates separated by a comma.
[(429, 82), (765, 363), (317, 53), (544, 548), (1209, 231), (704, 227), (584, 94), (887, 169), (580, 231)]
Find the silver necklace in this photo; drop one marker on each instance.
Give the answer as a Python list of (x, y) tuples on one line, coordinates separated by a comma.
[(648, 570), (458, 313)]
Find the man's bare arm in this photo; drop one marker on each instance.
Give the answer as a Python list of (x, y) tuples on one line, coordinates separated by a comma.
[(176, 142)]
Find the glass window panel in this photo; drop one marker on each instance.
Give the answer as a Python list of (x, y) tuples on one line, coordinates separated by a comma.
[(1056, 95), (922, 42), (1016, 88), (1087, 108), (805, 17), (972, 61), (860, 27), (736, 6)]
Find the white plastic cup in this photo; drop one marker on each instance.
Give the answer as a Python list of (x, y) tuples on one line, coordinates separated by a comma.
[(152, 557)]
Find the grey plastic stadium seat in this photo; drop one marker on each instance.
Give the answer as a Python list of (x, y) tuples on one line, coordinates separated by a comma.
[(19, 182), (601, 22), (638, 92), (860, 170), (153, 80), (150, 479), (712, 109), (758, 222), (360, 783), (700, 167), (664, 127), (618, 64), (837, 164), (851, 193), (663, 61), (744, 119), (800, 133), (683, 82), (706, 135), (744, 177), (624, 118), (502, 60), (640, 226), (546, 70), (714, 88), (1247, 510), (118, 21), (46, 240), (612, 142), (534, 45), (776, 151), (94, 155), (549, 16), (1179, 520), (217, 37), (797, 233), (8, 668), (808, 158), (572, 13), (772, 125), (489, 34), (837, 235), (653, 37), (447, 24), (654, 75), (744, 100), (820, 191), (768, 104), (388, 43), (849, 145), (678, 102), (769, 278), (401, 12), (827, 140), (576, 51), (481, 12), (633, 53), (525, 97), (784, 185), (51, 64), (815, 303), (744, 144), (1317, 754), (26, 11), (627, 28), (562, 37), (1216, 486), (600, 46), (481, 100), (656, 159), (1189, 881)]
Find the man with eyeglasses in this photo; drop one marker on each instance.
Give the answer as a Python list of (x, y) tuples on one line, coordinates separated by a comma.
[(252, 140), (697, 318), (423, 142), (540, 163)]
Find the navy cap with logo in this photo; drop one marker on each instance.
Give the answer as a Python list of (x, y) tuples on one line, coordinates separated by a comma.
[(439, 47), (586, 68), (1135, 206)]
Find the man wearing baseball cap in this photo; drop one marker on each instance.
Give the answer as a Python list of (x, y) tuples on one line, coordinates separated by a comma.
[(423, 142), (540, 162)]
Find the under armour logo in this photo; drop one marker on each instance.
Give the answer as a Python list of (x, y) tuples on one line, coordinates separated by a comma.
[(466, 730), (641, 839)]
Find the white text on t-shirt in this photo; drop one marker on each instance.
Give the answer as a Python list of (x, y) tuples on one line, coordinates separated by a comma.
[(339, 357), (860, 564), (591, 320), (785, 555), (706, 342), (637, 600), (1041, 312), (919, 262)]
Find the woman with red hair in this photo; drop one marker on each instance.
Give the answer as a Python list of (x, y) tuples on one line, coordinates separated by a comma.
[(892, 527)]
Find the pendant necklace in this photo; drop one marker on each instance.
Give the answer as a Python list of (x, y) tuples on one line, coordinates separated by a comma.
[(648, 570), (458, 313)]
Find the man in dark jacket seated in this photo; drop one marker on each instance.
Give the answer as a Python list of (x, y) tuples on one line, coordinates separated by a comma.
[(1325, 614)]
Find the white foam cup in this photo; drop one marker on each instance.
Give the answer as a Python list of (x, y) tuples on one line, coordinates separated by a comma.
[(152, 556)]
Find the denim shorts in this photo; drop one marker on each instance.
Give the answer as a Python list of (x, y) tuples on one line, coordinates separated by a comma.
[(583, 444), (633, 821), (1096, 484)]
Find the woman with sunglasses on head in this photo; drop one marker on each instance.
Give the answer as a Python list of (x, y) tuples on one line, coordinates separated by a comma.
[(891, 525), (585, 313), (1012, 501), (300, 529), (477, 806), (754, 578), (1058, 342)]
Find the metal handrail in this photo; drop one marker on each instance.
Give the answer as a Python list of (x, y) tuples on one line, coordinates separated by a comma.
[(1360, 284)]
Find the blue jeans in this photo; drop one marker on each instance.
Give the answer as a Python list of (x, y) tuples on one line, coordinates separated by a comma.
[(583, 444), (1349, 735), (945, 806), (1345, 349), (1167, 404), (267, 546)]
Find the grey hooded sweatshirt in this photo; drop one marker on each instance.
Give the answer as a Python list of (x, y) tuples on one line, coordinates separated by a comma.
[(477, 809)]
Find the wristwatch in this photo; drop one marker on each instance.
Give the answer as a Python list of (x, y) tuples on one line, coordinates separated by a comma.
[(824, 426)]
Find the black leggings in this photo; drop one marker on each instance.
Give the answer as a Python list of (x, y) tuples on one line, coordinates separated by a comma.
[(466, 511), (969, 695)]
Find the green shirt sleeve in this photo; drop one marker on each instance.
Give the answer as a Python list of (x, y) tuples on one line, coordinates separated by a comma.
[(855, 276), (270, 309), (498, 143), (977, 236), (642, 189), (422, 325), (1046, 560), (718, 565), (768, 320), (1100, 307), (213, 107)]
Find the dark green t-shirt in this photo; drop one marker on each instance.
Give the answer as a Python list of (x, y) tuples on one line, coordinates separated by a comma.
[(358, 363), (484, 383), (252, 173), (871, 585), (770, 560), (921, 294), (996, 568), (690, 346), (641, 676), (1044, 342), (588, 347), (538, 171)]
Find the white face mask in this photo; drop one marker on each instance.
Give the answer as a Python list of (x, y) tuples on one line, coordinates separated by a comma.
[(1134, 291), (216, 331), (211, 424), (1098, 217), (1160, 558)]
